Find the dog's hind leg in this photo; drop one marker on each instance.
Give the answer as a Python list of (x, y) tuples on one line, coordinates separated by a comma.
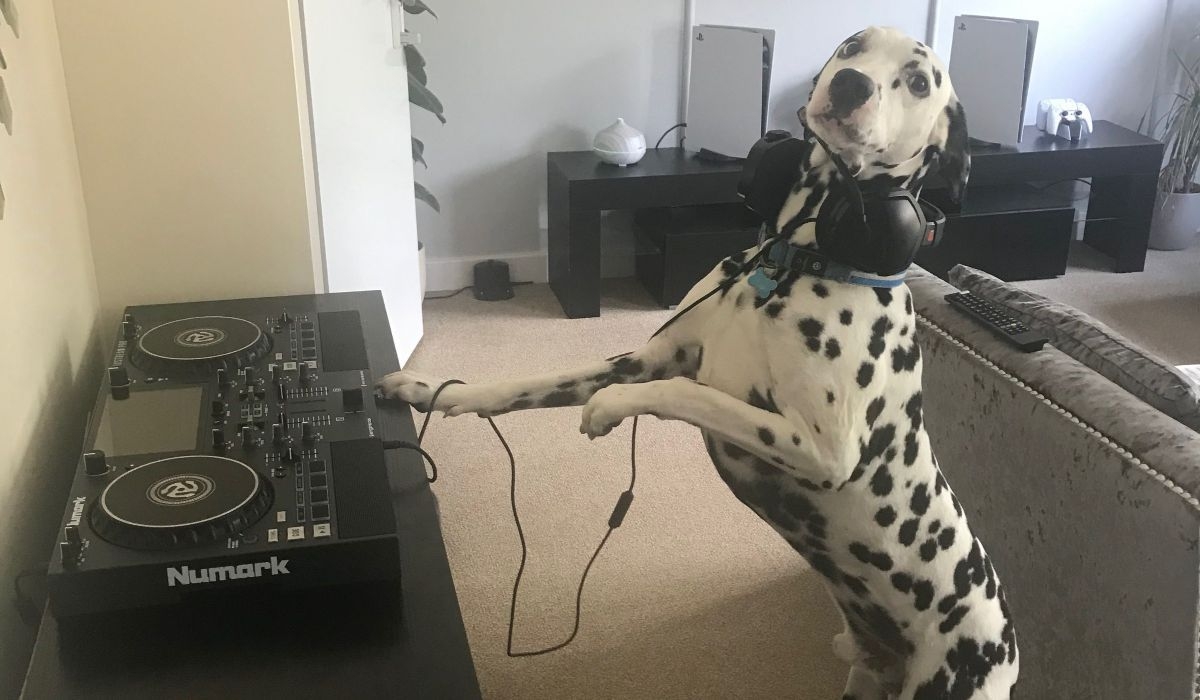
[(790, 446), (661, 358)]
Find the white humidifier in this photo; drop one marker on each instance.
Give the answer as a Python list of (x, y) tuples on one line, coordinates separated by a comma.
[(620, 144)]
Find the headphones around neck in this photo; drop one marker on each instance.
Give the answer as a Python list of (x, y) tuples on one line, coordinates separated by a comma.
[(876, 232)]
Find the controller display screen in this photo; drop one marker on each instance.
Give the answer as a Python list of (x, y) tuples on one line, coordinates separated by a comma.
[(148, 422)]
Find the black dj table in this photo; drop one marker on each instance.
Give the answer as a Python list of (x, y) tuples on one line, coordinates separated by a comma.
[(362, 640)]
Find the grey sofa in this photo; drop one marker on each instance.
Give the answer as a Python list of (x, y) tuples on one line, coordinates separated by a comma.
[(1085, 498)]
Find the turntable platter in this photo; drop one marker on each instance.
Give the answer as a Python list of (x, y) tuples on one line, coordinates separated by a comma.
[(202, 343)]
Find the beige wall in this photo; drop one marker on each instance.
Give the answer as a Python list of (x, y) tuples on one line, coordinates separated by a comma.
[(49, 360), (190, 146)]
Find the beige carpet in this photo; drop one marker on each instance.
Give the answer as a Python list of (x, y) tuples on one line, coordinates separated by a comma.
[(694, 597)]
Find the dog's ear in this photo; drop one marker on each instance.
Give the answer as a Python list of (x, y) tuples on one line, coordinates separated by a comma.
[(954, 158)]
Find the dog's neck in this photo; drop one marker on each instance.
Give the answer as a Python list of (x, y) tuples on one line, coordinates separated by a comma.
[(819, 179)]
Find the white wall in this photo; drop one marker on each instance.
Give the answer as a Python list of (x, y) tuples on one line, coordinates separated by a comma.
[(49, 358), (527, 76), (189, 127)]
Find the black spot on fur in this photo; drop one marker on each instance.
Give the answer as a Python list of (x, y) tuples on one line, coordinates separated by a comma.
[(627, 366), (559, 398), (928, 550), (736, 451), (879, 560), (956, 615), (879, 329), (832, 349), (567, 384), (913, 408), (774, 308), (885, 516), (896, 84), (874, 409), (969, 571), (846, 317), (937, 77), (923, 590), (813, 344), (658, 374), (828, 397), (920, 52), (947, 604), (881, 483), (908, 309), (884, 294), (767, 437), (680, 355), (902, 582), (811, 327), (920, 499), (905, 360), (856, 585), (936, 688), (521, 404), (908, 531), (935, 526), (766, 403), (946, 538), (820, 290), (795, 439), (866, 371), (881, 437)]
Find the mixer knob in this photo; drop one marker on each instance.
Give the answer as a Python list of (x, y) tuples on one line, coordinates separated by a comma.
[(94, 463), (218, 409), (279, 436), (285, 318), (71, 546), (308, 433), (223, 378), (128, 330), (249, 440), (251, 377), (218, 439)]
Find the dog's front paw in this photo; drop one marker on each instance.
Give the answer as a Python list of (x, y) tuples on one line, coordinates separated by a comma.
[(609, 407), (414, 388)]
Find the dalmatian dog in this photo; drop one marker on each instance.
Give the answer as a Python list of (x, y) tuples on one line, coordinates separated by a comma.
[(809, 400)]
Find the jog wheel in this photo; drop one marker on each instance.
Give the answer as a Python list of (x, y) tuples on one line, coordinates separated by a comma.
[(199, 345), (181, 502)]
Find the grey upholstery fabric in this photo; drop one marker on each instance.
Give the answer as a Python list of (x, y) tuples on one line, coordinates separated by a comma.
[(1085, 500), (1114, 356)]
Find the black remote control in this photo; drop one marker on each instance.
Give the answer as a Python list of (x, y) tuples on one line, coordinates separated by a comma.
[(998, 321)]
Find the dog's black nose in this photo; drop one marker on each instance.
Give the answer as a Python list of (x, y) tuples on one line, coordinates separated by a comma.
[(848, 91)]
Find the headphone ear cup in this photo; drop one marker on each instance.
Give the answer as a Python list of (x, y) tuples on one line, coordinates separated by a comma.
[(898, 227)]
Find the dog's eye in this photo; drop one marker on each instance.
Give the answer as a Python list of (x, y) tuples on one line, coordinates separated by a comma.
[(850, 48), (919, 84)]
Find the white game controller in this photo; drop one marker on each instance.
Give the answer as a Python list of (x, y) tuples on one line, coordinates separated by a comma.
[(1057, 114)]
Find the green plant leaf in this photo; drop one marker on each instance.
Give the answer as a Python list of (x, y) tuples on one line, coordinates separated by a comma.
[(426, 196), (421, 96), (416, 64), (418, 149), (416, 7)]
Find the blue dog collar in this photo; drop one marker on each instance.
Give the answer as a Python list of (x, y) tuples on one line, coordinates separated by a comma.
[(809, 262)]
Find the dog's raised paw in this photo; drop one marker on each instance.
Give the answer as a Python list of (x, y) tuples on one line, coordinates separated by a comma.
[(412, 387), (608, 408)]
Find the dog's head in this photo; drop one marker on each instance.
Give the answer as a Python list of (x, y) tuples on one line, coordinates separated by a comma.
[(882, 100)]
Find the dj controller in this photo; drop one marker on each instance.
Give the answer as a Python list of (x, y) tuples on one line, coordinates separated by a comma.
[(234, 446)]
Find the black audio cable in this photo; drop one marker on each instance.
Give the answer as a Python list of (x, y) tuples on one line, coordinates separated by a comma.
[(624, 501)]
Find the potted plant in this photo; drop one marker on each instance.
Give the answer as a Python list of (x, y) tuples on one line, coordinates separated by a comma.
[(421, 96), (1176, 220)]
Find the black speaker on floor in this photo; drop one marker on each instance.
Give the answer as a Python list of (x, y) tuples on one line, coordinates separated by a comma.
[(492, 282)]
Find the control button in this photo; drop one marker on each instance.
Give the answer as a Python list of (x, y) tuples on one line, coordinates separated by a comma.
[(281, 516), (295, 533), (307, 326), (277, 373), (128, 330), (249, 440), (299, 514), (321, 530), (218, 409), (319, 495), (308, 343), (223, 378), (218, 439), (299, 482), (320, 511), (279, 436), (71, 546), (352, 400), (273, 535), (278, 472), (318, 480), (305, 375), (289, 366), (308, 433), (118, 376), (316, 466), (249, 539), (251, 377), (309, 354), (308, 335), (94, 463)]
